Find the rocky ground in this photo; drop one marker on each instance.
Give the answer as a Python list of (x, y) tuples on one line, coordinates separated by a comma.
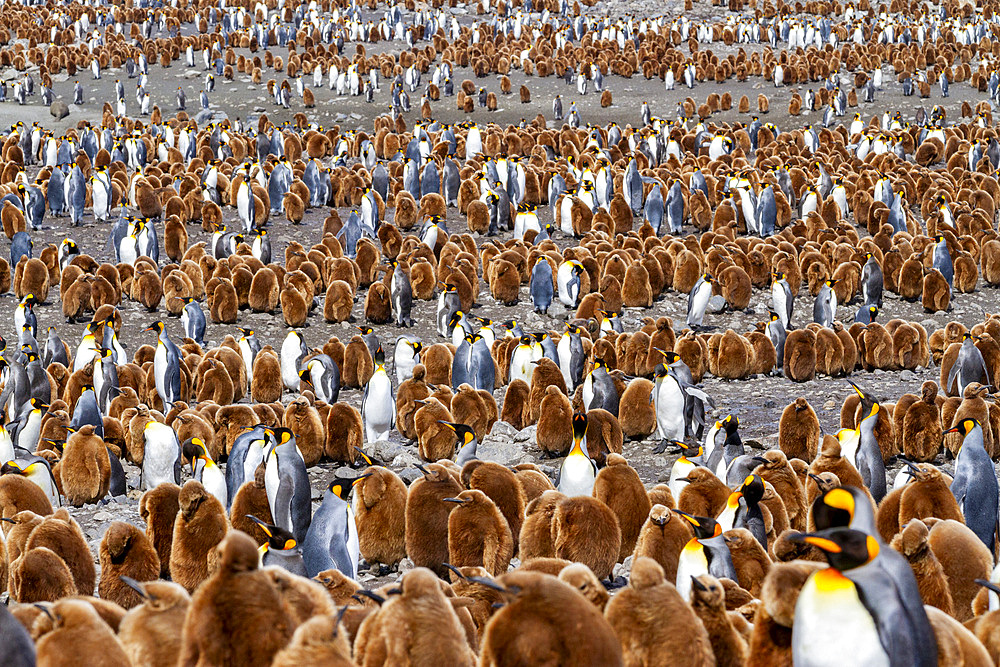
[(758, 402)]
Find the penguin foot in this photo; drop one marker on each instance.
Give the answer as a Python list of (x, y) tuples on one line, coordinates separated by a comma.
[(662, 447), (615, 584)]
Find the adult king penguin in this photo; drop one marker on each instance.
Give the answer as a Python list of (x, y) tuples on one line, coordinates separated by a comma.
[(378, 405), (855, 605), (975, 484), (578, 471), (332, 540), (166, 367), (698, 300)]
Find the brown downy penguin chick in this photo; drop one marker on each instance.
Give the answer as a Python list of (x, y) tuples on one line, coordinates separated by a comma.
[(662, 537), (126, 552), (338, 586), (380, 513), (830, 460), (927, 495), (922, 431), (964, 558), (467, 584), (799, 363), (427, 517), (77, 630), (798, 431), (582, 579), (546, 374), (585, 530), (776, 470), (265, 378), (533, 481), (535, 540), (544, 617), (18, 494), (84, 470), (771, 640), (554, 433), (62, 534), (358, 365), (936, 293), (200, 525), (636, 413), (417, 627), (158, 507), (619, 487), (321, 640), (435, 440), (956, 644), (750, 560), (516, 409), (40, 575), (236, 590), (151, 631), (478, 534), (302, 597), (344, 433), (304, 420), (501, 485), (251, 500), (410, 390), (704, 494), (661, 495), (708, 599), (634, 615), (912, 543)]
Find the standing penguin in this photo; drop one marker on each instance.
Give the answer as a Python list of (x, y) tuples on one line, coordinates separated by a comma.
[(332, 540), (698, 300), (599, 390), (776, 332), (825, 307), (281, 549), (378, 402), (705, 553), (868, 457), (572, 358), (293, 351), (568, 281), (968, 367), (578, 470), (781, 298), (405, 357), (942, 259), (975, 484), (449, 303), (193, 320), (540, 286), (324, 376), (872, 282), (287, 483), (857, 604), (161, 461), (401, 294), (166, 366)]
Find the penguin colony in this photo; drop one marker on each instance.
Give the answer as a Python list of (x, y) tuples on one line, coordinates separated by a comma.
[(279, 520)]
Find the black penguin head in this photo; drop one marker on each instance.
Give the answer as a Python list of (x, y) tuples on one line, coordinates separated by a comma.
[(844, 548), (464, 433), (579, 426), (417, 346), (525, 340), (731, 423), (379, 358), (834, 508), (281, 435), (278, 538), (965, 427), (156, 326), (247, 333), (704, 527), (752, 489), (341, 486), (869, 404)]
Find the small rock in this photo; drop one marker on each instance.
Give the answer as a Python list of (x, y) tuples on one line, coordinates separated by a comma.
[(907, 375), (716, 304), (59, 109), (526, 434), (830, 405), (502, 429), (410, 475), (405, 565), (405, 459), (104, 516)]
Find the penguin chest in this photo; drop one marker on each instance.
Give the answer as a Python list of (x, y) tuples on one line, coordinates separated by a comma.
[(670, 410), (577, 476), (160, 366), (829, 618), (693, 562)]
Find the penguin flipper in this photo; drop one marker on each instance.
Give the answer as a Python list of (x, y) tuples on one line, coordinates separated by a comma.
[(695, 392), (952, 374)]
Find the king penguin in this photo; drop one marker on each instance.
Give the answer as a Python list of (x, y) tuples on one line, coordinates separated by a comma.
[(324, 376), (540, 286), (293, 350), (698, 300), (968, 367), (705, 553), (287, 483), (781, 298), (332, 540), (193, 320), (578, 470), (405, 356), (166, 366), (161, 461), (402, 295), (280, 549), (975, 484), (825, 307), (872, 282), (466, 443), (854, 603), (378, 404), (568, 280), (572, 358), (868, 457), (599, 389)]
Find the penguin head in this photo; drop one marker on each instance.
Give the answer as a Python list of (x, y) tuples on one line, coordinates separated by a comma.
[(341, 486), (752, 489), (844, 548), (831, 282), (464, 434), (281, 435), (525, 340), (277, 537), (704, 527), (730, 423), (965, 427), (247, 333), (835, 507), (379, 358), (11, 468), (872, 312)]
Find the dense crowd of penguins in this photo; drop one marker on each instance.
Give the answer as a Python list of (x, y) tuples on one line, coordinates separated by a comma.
[(805, 554)]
